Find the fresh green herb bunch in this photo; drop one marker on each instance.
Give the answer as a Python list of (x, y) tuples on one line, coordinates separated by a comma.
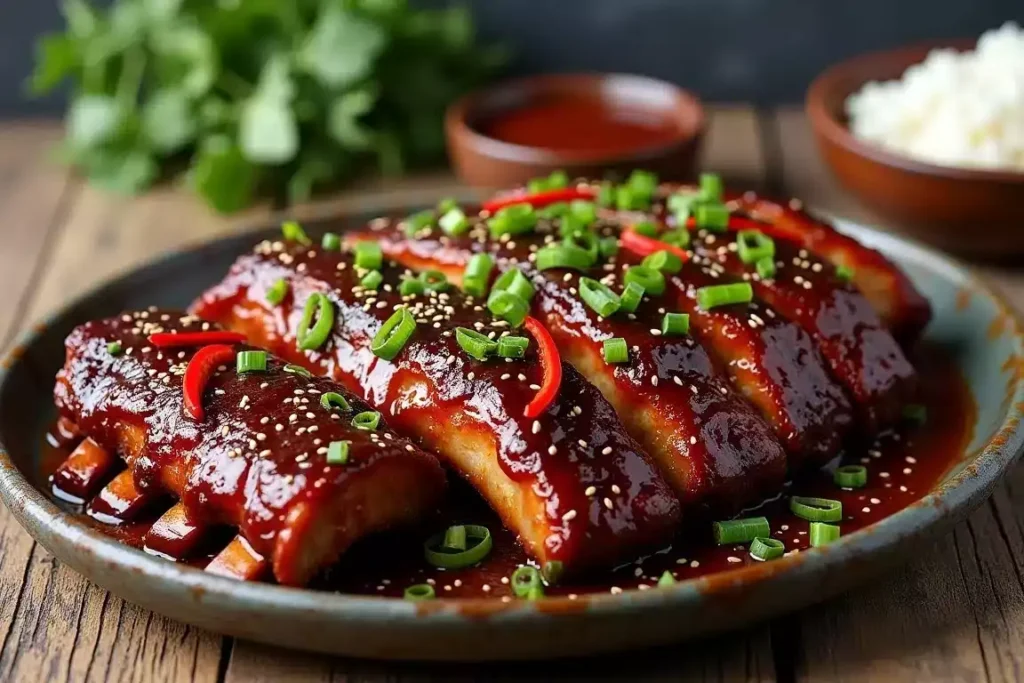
[(256, 97)]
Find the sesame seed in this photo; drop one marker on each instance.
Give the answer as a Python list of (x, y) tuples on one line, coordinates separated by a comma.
[(591, 490), (608, 503), (569, 516)]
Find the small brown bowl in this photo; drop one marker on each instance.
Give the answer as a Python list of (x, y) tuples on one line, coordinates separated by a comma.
[(487, 162), (973, 212)]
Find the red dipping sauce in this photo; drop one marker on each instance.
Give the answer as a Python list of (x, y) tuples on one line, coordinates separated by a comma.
[(582, 122)]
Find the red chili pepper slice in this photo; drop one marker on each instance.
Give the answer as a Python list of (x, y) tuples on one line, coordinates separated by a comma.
[(537, 199), (198, 373), (642, 245), (551, 361), (163, 340)]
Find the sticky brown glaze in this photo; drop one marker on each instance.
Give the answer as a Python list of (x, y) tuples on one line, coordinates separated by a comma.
[(258, 459), (572, 484), (860, 351), (903, 309), (770, 360), (712, 446)]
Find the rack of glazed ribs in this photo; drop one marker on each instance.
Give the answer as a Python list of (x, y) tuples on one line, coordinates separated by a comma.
[(238, 438), (600, 362)]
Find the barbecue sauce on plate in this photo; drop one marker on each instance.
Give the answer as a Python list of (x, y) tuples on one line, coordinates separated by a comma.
[(903, 466)]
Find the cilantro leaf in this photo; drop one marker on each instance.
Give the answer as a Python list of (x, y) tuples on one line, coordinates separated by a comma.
[(168, 121), (341, 47), (222, 175)]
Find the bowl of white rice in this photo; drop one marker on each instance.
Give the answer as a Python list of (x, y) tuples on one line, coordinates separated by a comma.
[(931, 137)]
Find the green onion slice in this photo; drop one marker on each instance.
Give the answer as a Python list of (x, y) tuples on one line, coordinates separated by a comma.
[(616, 350), (368, 255), (553, 211), (631, 199), (552, 571), (411, 286), (823, 534), (664, 261), (650, 279), (443, 550), (666, 579), (632, 294), (643, 181), (764, 548), (583, 239), (713, 217), (333, 399), (740, 530), (454, 222), (851, 476), (556, 181), (710, 187), (312, 335), (599, 297), (447, 204), (766, 268), (337, 452), (563, 256), (583, 211), (371, 280), (646, 228), (816, 509), (393, 334), (508, 306), (368, 420), (515, 282), (250, 361), (724, 295), (677, 238), (515, 219), (526, 580), (297, 370), (512, 347), (420, 591), (114, 348), (418, 221), (277, 292), (477, 274), (675, 324), (330, 242), (434, 281), (844, 273), (608, 247), (475, 344), (754, 245), (292, 231), (606, 194)]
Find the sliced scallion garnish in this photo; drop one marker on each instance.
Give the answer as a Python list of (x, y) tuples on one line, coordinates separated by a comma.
[(851, 476), (754, 245), (458, 547), (411, 286), (337, 452), (434, 281), (675, 324), (823, 534), (330, 242), (368, 420), (526, 580), (713, 217), (368, 255), (765, 548), (615, 350), (332, 399), (477, 274), (664, 261), (418, 221), (563, 256), (371, 280), (277, 292), (420, 591), (393, 334), (512, 347), (631, 296), (312, 335), (515, 282), (740, 530), (646, 228), (816, 509), (650, 279), (766, 268), (724, 295), (297, 370), (599, 297), (515, 219), (710, 187), (250, 361), (293, 232), (454, 222), (475, 344), (508, 306)]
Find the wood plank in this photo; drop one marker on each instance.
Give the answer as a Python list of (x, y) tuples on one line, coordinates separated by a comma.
[(958, 612), (732, 146)]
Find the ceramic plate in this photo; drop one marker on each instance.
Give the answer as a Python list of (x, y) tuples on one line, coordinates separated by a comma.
[(971, 323)]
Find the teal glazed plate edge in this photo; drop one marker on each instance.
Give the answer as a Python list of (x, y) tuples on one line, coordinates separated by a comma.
[(972, 322)]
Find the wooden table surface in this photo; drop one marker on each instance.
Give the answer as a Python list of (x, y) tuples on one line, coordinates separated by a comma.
[(954, 613)]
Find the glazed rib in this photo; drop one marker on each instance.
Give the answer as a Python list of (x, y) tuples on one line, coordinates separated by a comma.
[(571, 483), (257, 461), (771, 361), (899, 304), (861, 353)]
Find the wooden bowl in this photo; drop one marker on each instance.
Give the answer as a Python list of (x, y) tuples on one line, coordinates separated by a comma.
[(490, 163), (973, 212)]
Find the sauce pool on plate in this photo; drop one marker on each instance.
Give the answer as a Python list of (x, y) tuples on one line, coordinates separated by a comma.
[(581, 123)]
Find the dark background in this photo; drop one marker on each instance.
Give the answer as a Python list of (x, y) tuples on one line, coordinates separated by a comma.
[(762, 51)]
